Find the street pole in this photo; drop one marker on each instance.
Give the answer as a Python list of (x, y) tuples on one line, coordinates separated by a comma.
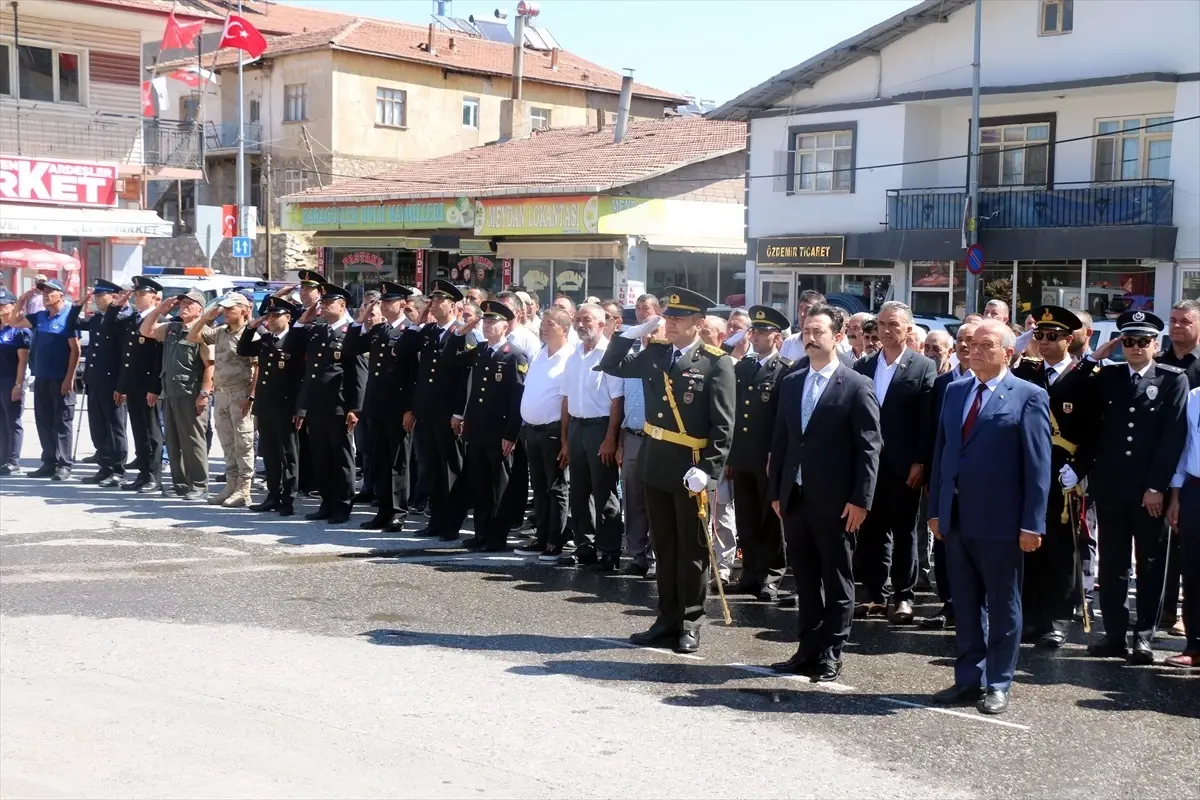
[(972, 282), (267, 212), (241, 157)]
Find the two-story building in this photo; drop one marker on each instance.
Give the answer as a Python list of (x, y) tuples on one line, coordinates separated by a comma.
[(1089, 159), (76, 153)]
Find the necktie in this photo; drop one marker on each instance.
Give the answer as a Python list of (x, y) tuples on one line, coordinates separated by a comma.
[(675, 354), (973, 414), (1051, 374), (1135, 379), (810, 401)]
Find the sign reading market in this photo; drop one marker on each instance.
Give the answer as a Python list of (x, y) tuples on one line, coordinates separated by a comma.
[(388, 215), (537, 216)]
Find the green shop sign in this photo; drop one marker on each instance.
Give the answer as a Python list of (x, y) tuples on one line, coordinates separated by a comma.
[(390, 215)]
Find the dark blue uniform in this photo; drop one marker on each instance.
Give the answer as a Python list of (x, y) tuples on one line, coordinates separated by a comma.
[(50, 361), (12, 431), (106, 419), (280, 373), (141, 375)]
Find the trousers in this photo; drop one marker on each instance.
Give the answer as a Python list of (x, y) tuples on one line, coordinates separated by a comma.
[(333, 459), (448, 489), (1189, 550), (488, 470), (887, 547), (549, 483), (106, 423), (681, 548), (12, 430), (390, 449), (759, 530), (595, 509), (1125, 530), (822, 556), (54, 414), (235, 432), (186, 450), (638, 536), (277, 441), (146, 423)]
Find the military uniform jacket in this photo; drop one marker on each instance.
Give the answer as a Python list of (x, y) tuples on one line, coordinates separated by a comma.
[(491, 408), (106, 344), (333, 376), (757, 401), (1130, 439), (141, 360), (441, 373), (391, 367), (703, 386), (279, 371), (1064, 417)]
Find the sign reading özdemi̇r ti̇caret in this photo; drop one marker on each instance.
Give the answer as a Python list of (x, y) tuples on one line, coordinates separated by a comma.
[(801, 251), (537, 216), (58, 182)]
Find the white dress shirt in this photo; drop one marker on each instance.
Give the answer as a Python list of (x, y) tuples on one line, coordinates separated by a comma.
[(541, 400), (1142, 372), (525, 340), (1058, 370), (793, 347), (1189, 459), (884, 372), (987, 395), (590, 393), (825, 372)]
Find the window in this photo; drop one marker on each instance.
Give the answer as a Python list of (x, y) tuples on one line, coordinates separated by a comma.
[(391, 107), (1058, 16), (43, 75), (470, 112), (255, 110), (293, 181), (295, 102), (821, 160), (5, 70), (1016, 154), (539, 118), (189, 107), (1132, 148)]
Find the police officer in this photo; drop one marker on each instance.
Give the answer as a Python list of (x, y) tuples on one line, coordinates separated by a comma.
[(1133, 429), (689, 391), (309, 289), (759, 532), (14, 360), (328, 404), (1050, 590), (139, 384), (274, 399), (106, 419), (489, 418)]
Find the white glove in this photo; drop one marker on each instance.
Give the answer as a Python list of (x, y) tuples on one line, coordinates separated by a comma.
[(696, 480), (638, 331), (1023, 342), (1067, 477), (736, 339)]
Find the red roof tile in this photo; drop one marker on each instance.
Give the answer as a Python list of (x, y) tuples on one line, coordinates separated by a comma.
[(271, 18)]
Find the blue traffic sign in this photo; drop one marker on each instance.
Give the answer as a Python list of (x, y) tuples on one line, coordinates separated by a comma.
[(975, 258), (243, 247)]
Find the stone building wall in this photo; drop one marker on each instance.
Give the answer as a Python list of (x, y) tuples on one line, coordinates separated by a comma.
[(289, 251)]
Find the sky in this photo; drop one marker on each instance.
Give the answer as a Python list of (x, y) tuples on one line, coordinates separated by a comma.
[(712, 49)]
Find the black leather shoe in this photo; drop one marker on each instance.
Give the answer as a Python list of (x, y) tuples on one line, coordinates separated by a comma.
[(339, 517), (474, 543), (608, 563), (92, 459), (99, 477), (689, 641), (448, 537), (958, 696), (938, 622), (1052, 639), (635, 569), (376, 523), (135, 484), (829, 669), (113, 481), (61, 474), (396, 525), (364, 497), (797, 665), (658, 633), (495, 547), (323, 512), (994, 702), (1107, 648), (1141, 654), (132, 465), (268, 504), (788, 601), (286, 509), (428, 532), (150, 487), (44, 471), (579, 558), (768, 593)]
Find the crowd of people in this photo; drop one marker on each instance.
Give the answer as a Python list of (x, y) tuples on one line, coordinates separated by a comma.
[(870, 458)]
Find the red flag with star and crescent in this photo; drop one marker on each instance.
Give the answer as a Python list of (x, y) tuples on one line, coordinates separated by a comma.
[(240, 34), (180, 36)]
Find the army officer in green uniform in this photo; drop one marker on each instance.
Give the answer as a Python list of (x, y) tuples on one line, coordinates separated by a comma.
[(689, 390)]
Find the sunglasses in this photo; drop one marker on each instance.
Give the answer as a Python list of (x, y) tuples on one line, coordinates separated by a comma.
[(1136, 341), (1050, 336)]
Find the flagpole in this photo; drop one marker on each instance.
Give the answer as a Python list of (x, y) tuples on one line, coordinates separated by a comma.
[(241, 156)]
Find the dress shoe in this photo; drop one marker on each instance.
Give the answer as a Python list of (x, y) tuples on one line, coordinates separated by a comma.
[(364, 497), (830, 669), (268, 503), (938, 622), (1052, 639), (197, 496), (958, 695), (635, 569), (100, 476), (396, 525), (651, 572), (150, 487), (44, 471), (1107, 648), (995, 701), (376, 523), (135, 484), (579, 558), (788, 601), (339, 516), (61, 474), (10, 469), (132, 465), (608, 563), (286, 508), (474, 543), (657, 633), (494, 547), (323, 512), (768, 593), (689, 641), (448, 537), (1141, 653), (1188, 659), (92, 459), (113, 481), (428, 532), (797, 665), (864, 610), (1177, 629), (551, 554), (903, 613), (741, 587)]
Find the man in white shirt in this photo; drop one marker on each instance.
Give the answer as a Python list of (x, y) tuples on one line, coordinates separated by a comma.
[(713, 332), (793, 346), (1183, 514), (592, 412)]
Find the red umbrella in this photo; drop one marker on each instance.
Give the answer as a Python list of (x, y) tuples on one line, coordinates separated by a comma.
[(22, 253)]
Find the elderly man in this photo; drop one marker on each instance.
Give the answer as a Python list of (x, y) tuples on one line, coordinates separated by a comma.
[(854, 333), (713, 332), (565, 303), (638, 541), (613, 317), (938, 347), (916, 339), (998, 310), (14, 360), (737, 342), (520, 336), (533, 316)]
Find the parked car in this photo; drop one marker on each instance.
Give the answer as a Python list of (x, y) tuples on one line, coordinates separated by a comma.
[(938, 322), (1105, 329)]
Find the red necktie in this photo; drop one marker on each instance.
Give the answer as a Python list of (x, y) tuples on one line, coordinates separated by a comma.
[(973, 414)]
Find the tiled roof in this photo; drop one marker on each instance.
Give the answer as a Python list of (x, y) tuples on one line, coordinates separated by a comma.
[(278, 19), (558, 161)]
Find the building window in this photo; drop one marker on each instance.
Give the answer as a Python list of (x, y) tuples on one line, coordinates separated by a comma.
[(539, 118), (821, 160), (1058, 16), (1132, 148), (5, 70), (293, 181), (1015, 154), (391, 107), (295, 102), (44, 74), (470, 112), (255, 110)]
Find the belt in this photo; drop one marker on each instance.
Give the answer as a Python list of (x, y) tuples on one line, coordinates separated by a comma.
[(547, 426), (634, 432), (662, 434), (1191, 480), (242, 389), (590, 420)]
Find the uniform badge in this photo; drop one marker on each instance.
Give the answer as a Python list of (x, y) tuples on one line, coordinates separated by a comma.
[(141, 340), (766, 397), (499, 376), (1152, 392), (337, 355), (687, 397), (281, 364), (1068, 408)]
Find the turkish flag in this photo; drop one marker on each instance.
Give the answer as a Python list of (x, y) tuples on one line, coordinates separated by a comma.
[(229, 220), (194, 76), (176, 36), (240, 34), (149, 107)]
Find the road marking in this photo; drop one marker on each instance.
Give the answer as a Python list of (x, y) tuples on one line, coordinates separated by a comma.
[(833, 686), (953, 713), (632, 646)]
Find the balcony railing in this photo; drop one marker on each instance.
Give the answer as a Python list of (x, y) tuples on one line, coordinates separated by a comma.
[(125, 140), (1067, 205), (220, 136), (172, 143)]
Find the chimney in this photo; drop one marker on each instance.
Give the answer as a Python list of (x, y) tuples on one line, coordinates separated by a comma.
[(430, 46), (599, 112), (452, 43), (623, 107), (554, 58)]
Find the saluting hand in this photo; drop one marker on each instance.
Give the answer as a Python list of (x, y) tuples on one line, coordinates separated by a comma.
[(1107, 349)]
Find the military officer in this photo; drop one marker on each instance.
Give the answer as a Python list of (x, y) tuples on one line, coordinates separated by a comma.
[(309, 290), (139, 385), (1050, 590), (274, 399), (106, 418), (1133, 429), (689, 392), (328, 403), (489, 418), (759, 531)]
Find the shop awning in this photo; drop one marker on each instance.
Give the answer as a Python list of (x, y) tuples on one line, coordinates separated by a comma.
[(564, 250), (689, 244), (99, 222)]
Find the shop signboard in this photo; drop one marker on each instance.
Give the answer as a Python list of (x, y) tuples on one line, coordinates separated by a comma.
[(801, 251), (388, 215), (57, 182), (537, 216)]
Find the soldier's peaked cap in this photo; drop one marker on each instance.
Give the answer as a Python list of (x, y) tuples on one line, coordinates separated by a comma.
[(143, 284), (447, 289), (331, 291), (280, 305), (1050, 318), (311, 277), (1140, 323), (767, 318), (494, 309), (682, 302), (393, 291)]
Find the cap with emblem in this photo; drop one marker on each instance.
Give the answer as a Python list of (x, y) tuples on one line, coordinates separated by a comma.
[(311, 278), (6, 297), (278, 305), (194, 295), (393, 291), (102, 286), (445, 289), (143, 284), (1139, 322), (1055, 318), (524, 297), (684, 302), (494, 309), (50, 286), (233, 299), (767, 318), (331, 291)]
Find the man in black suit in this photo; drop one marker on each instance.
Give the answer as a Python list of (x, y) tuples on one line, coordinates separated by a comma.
[(903, 382), (823, 469), (139, 383)]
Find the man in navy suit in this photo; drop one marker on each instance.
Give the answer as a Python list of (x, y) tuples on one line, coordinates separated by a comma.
[(987, 501), (823, 466)]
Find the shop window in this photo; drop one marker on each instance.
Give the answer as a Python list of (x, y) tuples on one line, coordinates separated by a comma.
[(1047, 283), (1114, 287), (695, 271), (1191, 284), (931, 287), (600, 277), (1015, 152), (570, 278), (1126, 149), (295, 102), (1058, 16), (535, 274), (822, 160), (44, 74), (731, 288)]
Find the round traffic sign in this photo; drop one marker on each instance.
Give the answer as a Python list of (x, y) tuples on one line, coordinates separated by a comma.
[(975, 258)]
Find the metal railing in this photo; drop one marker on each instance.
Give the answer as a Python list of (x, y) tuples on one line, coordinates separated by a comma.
[(172, 143), (1067, 205), (119, 138), (223, 136)]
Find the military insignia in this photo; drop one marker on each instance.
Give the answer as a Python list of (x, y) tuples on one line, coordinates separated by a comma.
[(337, 355), (1068, 408), (688, 397), (674, 299), (281, 364), (760, 315), (1139, 316), (1152, 392), (766, 397), (1047, 316), (522, 368), (499, 377), (141, 340)]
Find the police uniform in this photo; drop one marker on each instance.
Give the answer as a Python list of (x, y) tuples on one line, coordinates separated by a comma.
[(391, 352), (332, 386), (698, 383), (106, 419), (491, 415), (141, 375), (50, 361), (306, 474), (759, 531), (12, 379), (1050, 589), (1134, 426)]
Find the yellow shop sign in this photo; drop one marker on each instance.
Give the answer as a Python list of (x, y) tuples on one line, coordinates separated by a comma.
[(536, 216), (388, 215)]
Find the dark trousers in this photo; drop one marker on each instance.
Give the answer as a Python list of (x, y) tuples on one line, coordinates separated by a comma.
[(54, 415), (1051, 592), (488, 470), (277, 443), (986, 576), (516, 499), (888, 545), (146, 423), (420, 467), (106, 423), (941, 575), (305, 474), (1189, 551), (1126, 529), (595, 509), (12, 429), (549, 483), (390, 451), (1171, 583), (681, 550), (364, 453), (448, 489), (759, 531), (333, 459), (821, 555)]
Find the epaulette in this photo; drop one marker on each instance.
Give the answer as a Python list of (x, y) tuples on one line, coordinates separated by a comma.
[(658, 341), (522, 368), (1169, 368), (787, 362), (713, 350), (1033, 359), (470, 347)]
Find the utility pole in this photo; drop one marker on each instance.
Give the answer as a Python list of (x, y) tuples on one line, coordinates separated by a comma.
[(269, 211), (972, 284), (241, 157)]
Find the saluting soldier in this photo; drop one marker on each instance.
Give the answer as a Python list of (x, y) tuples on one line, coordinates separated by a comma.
[(759, 531), (280, 373), (106, 418), (689, 392), (139, 385), (1133, 429), (309, 290), (1050, 590)]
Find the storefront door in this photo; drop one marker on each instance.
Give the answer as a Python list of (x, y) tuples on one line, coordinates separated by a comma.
[(777, 290)]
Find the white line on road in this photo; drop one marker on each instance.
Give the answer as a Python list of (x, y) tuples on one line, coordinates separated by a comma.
[(832, 686), (953, 713), (632, 646)]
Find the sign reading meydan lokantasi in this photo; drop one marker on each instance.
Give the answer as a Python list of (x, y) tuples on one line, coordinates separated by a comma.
[(57, 182), (532, 216)]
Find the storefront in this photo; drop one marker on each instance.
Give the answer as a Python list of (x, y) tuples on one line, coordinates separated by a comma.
[(785, 266)]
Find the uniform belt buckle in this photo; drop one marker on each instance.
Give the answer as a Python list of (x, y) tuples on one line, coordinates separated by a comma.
[(656, 433)]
